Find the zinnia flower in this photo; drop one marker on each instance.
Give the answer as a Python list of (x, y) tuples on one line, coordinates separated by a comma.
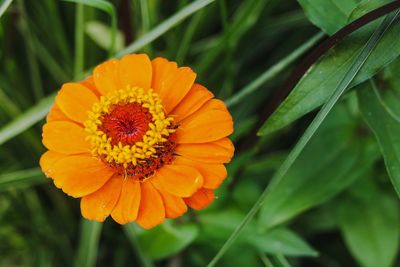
[(137, 140)]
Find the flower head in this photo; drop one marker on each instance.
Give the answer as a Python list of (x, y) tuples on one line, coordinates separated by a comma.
[(137, 140)]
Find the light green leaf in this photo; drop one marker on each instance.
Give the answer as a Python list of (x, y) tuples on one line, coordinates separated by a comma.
[(369, 222), (21, 178), (328, 15), (100, 34), (386, 129), (281, 241), (165, 26), (218, 225), (166, 240), (88, 243), (110, 9), (26, 119), (4, 5), (319, 82), (331, 162), (99, 4)]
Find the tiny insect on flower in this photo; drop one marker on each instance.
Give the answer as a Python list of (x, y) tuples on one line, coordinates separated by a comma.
[(138, 140)]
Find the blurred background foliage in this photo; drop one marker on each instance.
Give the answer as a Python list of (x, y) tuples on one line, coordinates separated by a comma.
[(336, 206)]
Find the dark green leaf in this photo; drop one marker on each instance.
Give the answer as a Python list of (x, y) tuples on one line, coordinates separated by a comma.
[(332, 161), (370, 225), (386, 129), (166, 240), (319, 82), (328, 15)]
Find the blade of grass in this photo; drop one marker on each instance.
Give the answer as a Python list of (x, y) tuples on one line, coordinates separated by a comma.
[(4, 6), (145, 16), (188, 36), (21, 178), (266, 261), (48, 61), (33, 65), (88, 243), (309, 132), (130, 232), (165, 26), (273, 71), (26, 119), (108, 8), (79, 40)]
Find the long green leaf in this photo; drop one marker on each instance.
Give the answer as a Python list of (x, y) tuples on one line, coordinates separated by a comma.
[(386, 129), (165, 26), (273, 71), (329, 15), (369, 221), (26, 119), (343, 84), (131, 232), (319, 82), (21, 178), (4, 5), (107, 7), (308, 184), (88, 243)]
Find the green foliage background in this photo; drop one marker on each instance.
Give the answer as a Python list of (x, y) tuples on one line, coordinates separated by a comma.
[(332, 200)]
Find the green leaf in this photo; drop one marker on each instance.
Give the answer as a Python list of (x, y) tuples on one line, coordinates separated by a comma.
[(369, 223), (166, 240), (165, 26), (386, 130), (4, 5), (110, 9), (320, 173), (340, 87), (328, 15), (26, 119), (88, 243), (218, 225), (100, 34), (273, 71), (23, 178), (281, 241), (99, 4), (319, 82)]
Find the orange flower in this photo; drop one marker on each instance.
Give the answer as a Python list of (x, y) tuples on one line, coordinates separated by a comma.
[(137, 140)]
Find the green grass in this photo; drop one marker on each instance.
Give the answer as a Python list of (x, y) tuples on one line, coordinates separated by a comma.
[(316, 187)]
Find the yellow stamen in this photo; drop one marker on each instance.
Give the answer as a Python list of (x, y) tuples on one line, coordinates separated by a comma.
[(157, 133)]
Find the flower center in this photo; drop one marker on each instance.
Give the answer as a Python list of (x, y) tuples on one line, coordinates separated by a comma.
[(129, 131), (126, 123)]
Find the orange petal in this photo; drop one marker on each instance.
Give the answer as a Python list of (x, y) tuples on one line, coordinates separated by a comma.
[(135, 70), (47, 161), (179, 180), (170, 82), (220, 151), (75, 101), (105, 77), (174, 206), (127, 207), (89, 84), (55, 114), (201, 199), (80, 175), (213, 104), (65, 137), (205, 127), (197, 96), (98, 205), (213, 174), (151, 211)]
